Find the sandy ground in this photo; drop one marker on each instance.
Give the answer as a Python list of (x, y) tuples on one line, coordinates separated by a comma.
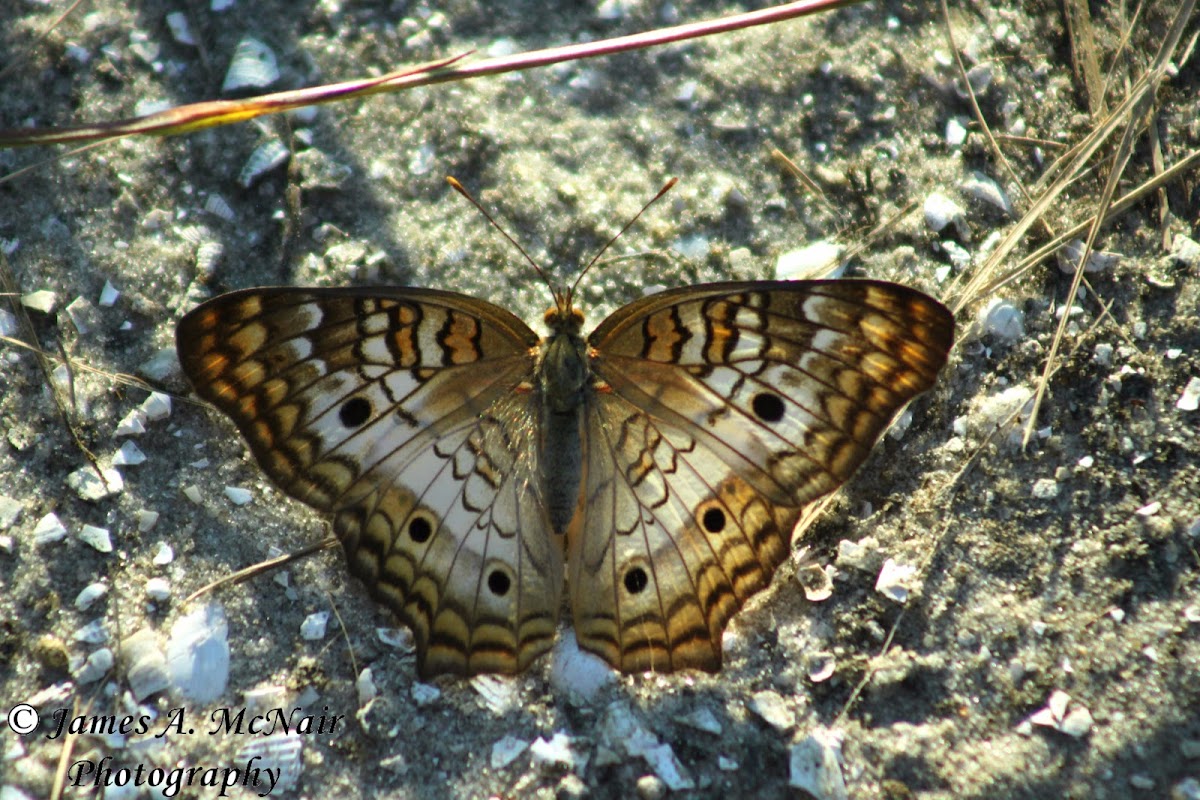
[(1068, 567)]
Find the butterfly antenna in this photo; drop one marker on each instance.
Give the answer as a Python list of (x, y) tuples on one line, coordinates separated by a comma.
[(666, 188), (458, 187)]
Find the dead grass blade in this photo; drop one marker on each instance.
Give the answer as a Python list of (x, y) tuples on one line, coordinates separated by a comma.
[(197, 116), (1136, 113)]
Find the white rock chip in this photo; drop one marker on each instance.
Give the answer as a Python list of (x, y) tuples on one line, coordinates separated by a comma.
[(49, 529), (96, 666), (1190, 399), (88, 485), (132, 424), (557, 753), (1002, 319), (941, 211), (157, 406), (128, 455), (773, 710), (238, 496), (43, 300), (815, 766), (313, 627), (158, 589), (577, 672), (425, 694), (98, 538), (506, 751)]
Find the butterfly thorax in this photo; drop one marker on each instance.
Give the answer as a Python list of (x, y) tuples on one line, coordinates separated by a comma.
[(562, 368), (563, 375)]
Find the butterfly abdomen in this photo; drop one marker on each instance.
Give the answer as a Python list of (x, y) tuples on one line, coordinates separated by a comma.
[(563, 374)]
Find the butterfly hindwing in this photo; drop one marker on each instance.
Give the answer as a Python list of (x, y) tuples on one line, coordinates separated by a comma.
[(395, 411), (719, 413)]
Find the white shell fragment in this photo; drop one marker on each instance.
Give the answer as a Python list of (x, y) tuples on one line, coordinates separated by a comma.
[(1076, 722), (128, 455), (88, 485), (145, 664), (208, 256), (1190, 399), (238, 496), (817, 260), (506, 751), (253, 66), (278, 752), (985, 189), (313, 627), (98, 538), (269, 155), (499, 692), (90, 594), (219, 207), (815, 766), (49, 529), (820, 666), (198, 654), (893, 580), (1069, 254)]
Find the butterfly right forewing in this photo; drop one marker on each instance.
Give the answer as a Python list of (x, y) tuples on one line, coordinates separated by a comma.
[(397, 411)]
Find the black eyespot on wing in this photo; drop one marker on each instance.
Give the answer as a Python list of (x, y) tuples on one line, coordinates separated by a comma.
[(636, 580), (768, 406), (355, 412), (498, 583), (713, 520), (419, 530)]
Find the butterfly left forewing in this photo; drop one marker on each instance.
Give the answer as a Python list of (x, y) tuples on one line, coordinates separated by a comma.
[(719, 413), (400, 412)]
